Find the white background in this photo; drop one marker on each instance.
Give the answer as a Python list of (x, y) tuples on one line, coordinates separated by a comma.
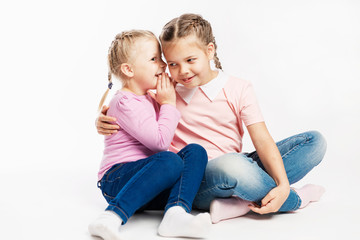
[(303, 58)]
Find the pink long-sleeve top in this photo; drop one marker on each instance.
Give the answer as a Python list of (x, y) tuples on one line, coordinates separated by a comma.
[(145, 129)]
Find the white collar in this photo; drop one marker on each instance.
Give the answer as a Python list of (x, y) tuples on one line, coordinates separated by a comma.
[(211, 89)]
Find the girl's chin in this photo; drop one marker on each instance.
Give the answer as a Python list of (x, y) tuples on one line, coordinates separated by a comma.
[(189, 86)]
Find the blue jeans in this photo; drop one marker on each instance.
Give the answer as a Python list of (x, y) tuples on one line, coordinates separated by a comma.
[(243, 174), (127, 187)]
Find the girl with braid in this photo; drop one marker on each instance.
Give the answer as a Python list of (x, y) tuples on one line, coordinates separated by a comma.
[(214, 108), (137, 172)]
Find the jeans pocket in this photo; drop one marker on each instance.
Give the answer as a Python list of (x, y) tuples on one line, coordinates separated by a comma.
[(107, 197), (111, 183), (112, 170)]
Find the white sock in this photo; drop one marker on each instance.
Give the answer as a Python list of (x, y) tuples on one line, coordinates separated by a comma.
[(178, 223), (106, 226)]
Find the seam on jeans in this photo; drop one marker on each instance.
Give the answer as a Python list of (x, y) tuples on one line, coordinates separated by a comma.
[(207, 190), (242, 196), (127, 218), (290, 138), (298, 204), (218, 186), (117, 168), (189, 209), (304, 136), (113, 170), (210, 189), (234, 193), (115, 179), (181, 178), (295, 147), (108, 195)]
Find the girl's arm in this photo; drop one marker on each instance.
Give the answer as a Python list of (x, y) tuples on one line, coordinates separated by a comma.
[(106, 125), (140, 121), (273, 163), (142, 124)]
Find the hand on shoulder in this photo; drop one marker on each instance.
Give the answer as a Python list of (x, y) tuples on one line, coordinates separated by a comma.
[(105, 125)]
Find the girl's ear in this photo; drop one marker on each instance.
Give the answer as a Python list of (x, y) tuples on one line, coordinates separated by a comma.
[(127, 70), (210, 50)]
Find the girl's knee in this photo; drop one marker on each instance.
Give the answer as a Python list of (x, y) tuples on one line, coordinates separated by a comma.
[(319, 144), (320, 140), (197, 153), (170, 163), (197, 148), (234, 169), (201, 153)]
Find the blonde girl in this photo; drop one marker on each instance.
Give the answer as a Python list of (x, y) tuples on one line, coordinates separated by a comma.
[(214, 108), (137, 172)]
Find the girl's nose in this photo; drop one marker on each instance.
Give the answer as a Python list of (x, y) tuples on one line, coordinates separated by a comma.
[(184, 70), (162, 64)]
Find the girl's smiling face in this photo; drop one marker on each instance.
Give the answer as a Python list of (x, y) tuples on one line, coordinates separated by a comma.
[(147, 65), (189, 61)]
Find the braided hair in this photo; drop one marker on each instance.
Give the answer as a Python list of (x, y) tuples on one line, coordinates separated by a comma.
[(120, 51), (188, 24)]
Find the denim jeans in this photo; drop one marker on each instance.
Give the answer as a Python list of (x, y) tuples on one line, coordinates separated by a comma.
[(243, 174), (127, 187)]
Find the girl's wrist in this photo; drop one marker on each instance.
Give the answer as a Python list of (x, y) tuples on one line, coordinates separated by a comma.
[(283, 183), (284, 187), (171, 103)]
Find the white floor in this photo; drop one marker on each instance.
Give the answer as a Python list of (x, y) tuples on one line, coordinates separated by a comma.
[(59, 204)]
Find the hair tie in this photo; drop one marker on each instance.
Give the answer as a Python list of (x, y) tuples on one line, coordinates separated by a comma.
[(110, 85)]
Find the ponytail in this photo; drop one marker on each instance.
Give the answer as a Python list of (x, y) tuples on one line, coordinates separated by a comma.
[(106, 92), (120, 51)]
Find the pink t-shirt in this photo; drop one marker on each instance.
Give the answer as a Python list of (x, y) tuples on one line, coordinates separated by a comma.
[(212, 115), (145, 129)]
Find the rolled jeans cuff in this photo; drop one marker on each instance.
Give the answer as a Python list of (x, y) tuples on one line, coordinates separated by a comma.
[(179, 203), (119, 212)]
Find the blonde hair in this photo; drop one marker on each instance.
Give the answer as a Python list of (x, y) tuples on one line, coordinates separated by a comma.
[(120, 51), (186, 25)]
